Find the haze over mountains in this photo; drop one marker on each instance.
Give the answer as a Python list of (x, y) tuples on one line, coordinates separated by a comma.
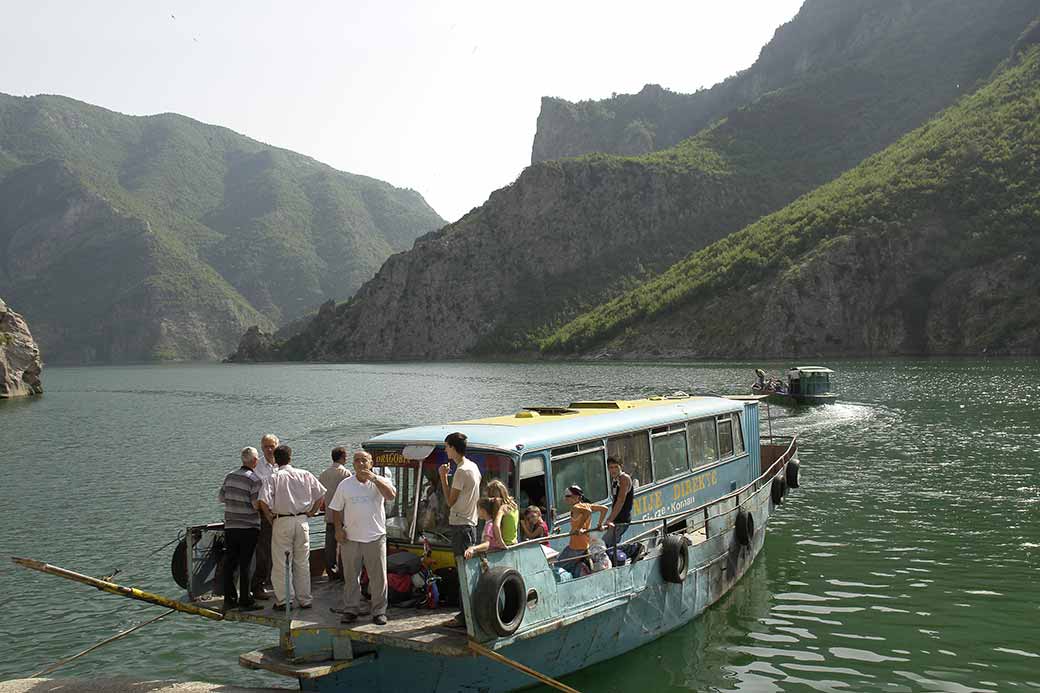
[(141, 238), (839, 83)]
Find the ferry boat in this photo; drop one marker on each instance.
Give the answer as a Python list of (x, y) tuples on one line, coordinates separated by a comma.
[(805, 385), (705, 483)]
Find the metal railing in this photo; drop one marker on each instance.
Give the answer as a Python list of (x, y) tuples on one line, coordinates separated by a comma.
[(665, 520)]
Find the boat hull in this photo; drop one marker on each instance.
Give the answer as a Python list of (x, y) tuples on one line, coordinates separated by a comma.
[(641, 616), (801, 400)]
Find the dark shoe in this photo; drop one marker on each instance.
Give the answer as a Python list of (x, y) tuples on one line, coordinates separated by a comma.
[(230, 604), (348, 618), (379, 620), (249, 606), (261, 594)]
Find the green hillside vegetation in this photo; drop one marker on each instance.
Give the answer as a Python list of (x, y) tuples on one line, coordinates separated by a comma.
[(764, 155), (975, 171), (202, 231)]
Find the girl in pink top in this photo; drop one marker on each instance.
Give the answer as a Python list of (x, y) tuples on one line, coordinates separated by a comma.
[(533, 524), (487, 509)]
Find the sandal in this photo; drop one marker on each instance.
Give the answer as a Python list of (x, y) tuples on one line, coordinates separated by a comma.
[(454, 623)]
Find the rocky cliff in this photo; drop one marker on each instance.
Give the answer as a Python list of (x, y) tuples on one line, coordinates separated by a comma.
[(141, 238), (571, 233), (20, 365), (823, 34), (928, 248)]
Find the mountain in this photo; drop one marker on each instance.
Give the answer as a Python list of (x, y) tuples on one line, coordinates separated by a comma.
[(129, 238), (573, 233), (823, 35), (930, 247), (20, 365)]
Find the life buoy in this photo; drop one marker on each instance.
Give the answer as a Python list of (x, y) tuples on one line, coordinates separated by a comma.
[(793, 474), (778, 490), (499, 601), (179, 564), (745, 527), (675, 559)]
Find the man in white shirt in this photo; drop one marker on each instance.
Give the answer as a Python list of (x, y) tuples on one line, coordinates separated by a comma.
[(265, 467), (359, 513), (331, 479), (287, 499), (462, 495)]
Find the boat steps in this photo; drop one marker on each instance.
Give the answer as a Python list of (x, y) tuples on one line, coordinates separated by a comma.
[(274, 660)]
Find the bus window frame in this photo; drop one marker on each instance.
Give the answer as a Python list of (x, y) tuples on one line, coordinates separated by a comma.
[(550, 478), (669, 430), (732, 448)]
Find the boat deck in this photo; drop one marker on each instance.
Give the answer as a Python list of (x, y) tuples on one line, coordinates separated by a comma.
[(408, 628)]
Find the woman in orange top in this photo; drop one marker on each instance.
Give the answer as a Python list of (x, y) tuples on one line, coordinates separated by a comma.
[(577, 550)]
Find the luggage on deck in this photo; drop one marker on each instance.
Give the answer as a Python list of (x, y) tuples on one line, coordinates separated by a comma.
[(403, 563)]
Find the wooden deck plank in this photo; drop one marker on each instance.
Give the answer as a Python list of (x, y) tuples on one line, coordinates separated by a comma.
[(416, 629)]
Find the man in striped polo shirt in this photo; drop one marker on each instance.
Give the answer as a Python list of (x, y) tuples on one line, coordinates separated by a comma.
[(240, 493)]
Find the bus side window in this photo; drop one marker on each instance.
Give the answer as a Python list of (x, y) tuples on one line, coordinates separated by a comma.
[(532, 484)]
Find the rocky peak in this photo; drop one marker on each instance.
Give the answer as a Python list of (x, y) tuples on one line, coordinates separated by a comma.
[(20, 365)]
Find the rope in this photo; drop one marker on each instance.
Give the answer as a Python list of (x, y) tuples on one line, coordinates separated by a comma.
[(502, 659), (62, 662), (117, 571)]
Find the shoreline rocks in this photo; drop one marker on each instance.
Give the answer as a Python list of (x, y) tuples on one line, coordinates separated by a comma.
[(20, 364)]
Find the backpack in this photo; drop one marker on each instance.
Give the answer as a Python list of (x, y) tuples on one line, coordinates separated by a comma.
[(403, 563)]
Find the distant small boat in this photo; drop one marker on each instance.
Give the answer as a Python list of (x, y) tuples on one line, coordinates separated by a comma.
[(805, 385)]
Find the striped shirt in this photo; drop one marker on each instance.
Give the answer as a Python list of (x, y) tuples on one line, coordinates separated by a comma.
[(240, 489)]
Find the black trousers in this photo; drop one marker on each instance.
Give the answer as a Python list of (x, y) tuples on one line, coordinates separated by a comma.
[(239, 545), (462, 537), (331, 551), (263, 556)]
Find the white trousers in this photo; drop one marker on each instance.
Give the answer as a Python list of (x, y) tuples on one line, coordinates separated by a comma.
[(292, 535)]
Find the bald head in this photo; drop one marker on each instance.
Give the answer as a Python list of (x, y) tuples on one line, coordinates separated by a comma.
[(362, 461)]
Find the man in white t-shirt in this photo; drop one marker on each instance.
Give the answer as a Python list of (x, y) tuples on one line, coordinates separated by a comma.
[(462, 495), (359, 514)]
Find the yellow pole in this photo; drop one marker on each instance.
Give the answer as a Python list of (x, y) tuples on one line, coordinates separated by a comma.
[(501, 659), (113, 588)]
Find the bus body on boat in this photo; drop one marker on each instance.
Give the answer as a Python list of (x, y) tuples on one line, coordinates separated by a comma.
[(680, 451)]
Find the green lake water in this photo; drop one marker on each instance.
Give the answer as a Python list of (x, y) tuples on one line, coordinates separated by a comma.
[(908, 561)]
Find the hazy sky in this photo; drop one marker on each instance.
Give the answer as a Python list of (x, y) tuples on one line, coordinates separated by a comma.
[(440, 97)]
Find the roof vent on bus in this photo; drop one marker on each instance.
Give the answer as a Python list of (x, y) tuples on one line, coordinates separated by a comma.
[(532, 412), (601, 404)]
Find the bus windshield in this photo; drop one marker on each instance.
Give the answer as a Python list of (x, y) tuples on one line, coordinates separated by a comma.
[(409, 518)]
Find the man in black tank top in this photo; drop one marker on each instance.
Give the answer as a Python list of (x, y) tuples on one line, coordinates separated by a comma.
[(620, 508)]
